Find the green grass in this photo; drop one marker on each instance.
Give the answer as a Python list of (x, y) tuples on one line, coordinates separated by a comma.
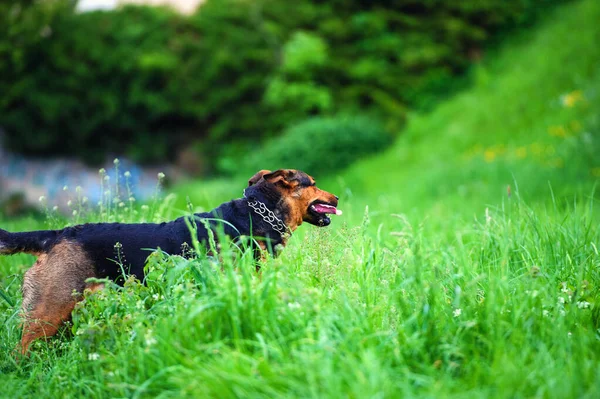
[(446, 287)]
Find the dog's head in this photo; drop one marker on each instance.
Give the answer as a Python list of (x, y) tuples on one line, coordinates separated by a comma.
[(298, 196)]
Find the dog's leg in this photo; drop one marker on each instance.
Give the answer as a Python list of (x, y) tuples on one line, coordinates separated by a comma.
[(51, 289), (44, 321)]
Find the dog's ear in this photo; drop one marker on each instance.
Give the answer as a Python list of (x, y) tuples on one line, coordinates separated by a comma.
[(259, 175), (281, 176)]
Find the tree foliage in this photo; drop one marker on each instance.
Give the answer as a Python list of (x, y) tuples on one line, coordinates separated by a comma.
[(147, 82)]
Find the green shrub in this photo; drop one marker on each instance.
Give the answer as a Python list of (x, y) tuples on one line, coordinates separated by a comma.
[(303, 58), (321, 145), (99, 83)]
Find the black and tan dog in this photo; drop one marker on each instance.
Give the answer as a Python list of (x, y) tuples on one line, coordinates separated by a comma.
[(274, 205)]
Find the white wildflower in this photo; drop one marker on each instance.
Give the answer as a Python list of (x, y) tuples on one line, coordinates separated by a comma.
[(583, 304), (457, 312), (178, 289), (93, 356), (149, 339)]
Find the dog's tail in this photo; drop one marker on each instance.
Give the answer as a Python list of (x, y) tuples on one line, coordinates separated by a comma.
[(33, 242)]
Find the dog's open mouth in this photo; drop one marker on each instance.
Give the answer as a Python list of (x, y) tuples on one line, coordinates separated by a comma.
[(325, 209), (320, 212)]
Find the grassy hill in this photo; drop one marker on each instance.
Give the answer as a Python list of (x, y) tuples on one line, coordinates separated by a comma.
[(450, 285), (530, 121)]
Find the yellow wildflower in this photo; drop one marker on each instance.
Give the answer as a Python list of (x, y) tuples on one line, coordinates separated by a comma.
[(557, 131), (557, 163), (537, 148), (500, 149), (569, 100)]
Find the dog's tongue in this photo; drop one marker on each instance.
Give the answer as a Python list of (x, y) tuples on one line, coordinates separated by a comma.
[(322, 208)]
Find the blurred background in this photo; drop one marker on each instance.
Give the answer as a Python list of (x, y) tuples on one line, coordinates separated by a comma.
[(217, 88)]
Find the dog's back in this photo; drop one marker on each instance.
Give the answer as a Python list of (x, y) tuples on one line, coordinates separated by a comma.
[(109, 246)]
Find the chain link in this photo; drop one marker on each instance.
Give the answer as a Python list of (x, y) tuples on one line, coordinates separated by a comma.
[(268, 216)]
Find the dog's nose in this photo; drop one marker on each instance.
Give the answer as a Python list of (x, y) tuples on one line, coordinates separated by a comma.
[(336, 197)]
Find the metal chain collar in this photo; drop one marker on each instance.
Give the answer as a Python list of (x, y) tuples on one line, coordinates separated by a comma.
[(268, 216)]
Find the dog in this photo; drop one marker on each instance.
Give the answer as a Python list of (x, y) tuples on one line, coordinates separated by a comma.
[(273, 206)]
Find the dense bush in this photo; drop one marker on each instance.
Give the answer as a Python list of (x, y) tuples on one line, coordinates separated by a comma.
[(320, 145), (147, 82), (96, 84)]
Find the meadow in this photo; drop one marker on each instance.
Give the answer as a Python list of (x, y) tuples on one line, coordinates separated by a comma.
[(466, 263)]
